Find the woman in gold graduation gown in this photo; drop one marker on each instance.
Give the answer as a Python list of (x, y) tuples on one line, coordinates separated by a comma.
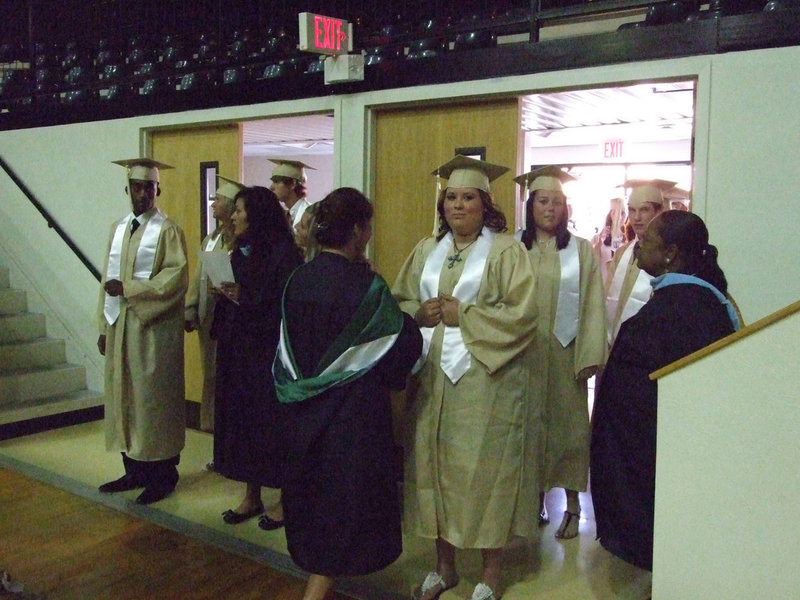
[(570, 341), (470, 467)]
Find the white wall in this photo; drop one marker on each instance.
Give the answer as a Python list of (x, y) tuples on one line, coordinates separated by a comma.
[(747, 128), (753, 176), (728, 476)]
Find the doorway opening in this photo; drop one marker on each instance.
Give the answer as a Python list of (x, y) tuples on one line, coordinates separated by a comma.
[(605, 136)]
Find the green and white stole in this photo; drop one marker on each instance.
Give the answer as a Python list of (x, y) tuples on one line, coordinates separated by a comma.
[(455, 360), (145, 256), (370, 334)]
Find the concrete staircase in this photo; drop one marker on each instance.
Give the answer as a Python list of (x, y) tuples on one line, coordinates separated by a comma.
[(35, 378)]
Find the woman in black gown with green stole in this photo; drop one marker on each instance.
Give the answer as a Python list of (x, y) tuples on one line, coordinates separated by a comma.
[(688, 310), (344, 344)]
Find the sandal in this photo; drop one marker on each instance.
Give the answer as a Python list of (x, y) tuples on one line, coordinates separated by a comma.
[(231, 517), (544, 518), (432, 580), (483, 592), (566, 531)]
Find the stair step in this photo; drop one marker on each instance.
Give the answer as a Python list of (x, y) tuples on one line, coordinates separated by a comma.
[(53, 405), (43, 352), (13, 301), (30, 384), (21, 327)]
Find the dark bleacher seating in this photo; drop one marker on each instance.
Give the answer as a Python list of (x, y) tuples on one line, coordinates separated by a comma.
[(122, 63), (8, 53), (175, 55), (144, 70), (196, 81), (46, 79), (235, 75), (377, 54), (153, 86), (138, 55), (775, 5), (76, 97), (111, 73), (482, 38), (241, 51), (78, 76), (316, 66), (15, 89), (116, 92), (206, 54), (426, 48), (105, 57), (274, 70), (727, 8)]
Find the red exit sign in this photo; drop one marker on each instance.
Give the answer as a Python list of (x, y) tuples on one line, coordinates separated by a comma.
[(613, 148), (325, 35)]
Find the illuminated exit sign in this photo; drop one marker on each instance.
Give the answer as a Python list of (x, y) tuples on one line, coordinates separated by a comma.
[(325, 35)]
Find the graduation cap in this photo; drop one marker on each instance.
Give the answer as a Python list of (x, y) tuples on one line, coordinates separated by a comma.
[(647, 190), (145, 169), (228, 188), (545, 178), (465, 172), (292, 169)]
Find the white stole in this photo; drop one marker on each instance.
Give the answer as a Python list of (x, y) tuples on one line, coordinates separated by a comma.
[(569, 294), (640, 294), (145, 256), (455, 360), (202, 299)]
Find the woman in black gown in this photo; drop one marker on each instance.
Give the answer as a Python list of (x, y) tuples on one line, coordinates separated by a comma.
[(344, 344), (688, 310), (246, 324)]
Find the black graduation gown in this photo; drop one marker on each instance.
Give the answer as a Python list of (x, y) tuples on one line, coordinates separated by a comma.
[(340, 495), (677, 321), (247, 337)]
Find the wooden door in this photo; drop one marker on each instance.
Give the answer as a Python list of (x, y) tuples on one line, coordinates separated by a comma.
[(182, 199), (410, 143)]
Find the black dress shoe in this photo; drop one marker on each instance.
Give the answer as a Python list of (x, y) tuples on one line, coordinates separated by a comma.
[(154, 493), (231, 517), (127, 482), (268, 524)]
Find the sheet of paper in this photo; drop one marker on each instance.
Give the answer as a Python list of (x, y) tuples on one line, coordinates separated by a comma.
[(217, 265)]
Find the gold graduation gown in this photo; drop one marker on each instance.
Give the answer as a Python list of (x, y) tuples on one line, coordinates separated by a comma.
[(565, 413), (468, 480), (145, 413), (631, 274), (208, 346)]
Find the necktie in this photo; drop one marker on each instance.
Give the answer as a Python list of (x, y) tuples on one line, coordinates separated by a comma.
[(134, 226)]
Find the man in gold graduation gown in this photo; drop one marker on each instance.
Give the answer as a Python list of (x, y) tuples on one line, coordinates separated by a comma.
[(471, 468), (628, 287), (570, 344), (141, 318)]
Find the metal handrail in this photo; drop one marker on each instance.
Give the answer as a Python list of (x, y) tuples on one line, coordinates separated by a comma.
[(51, 222)]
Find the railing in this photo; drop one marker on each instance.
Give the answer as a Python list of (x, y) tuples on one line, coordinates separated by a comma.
[(49, 218)]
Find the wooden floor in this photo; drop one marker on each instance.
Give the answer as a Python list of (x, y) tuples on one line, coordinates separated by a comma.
[(66, 547), (59, 535)]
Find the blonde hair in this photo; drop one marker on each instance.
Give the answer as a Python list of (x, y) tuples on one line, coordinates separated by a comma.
[(618, 216)]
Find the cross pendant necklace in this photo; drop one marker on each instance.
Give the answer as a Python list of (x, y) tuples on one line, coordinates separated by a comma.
[(456, 257)]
